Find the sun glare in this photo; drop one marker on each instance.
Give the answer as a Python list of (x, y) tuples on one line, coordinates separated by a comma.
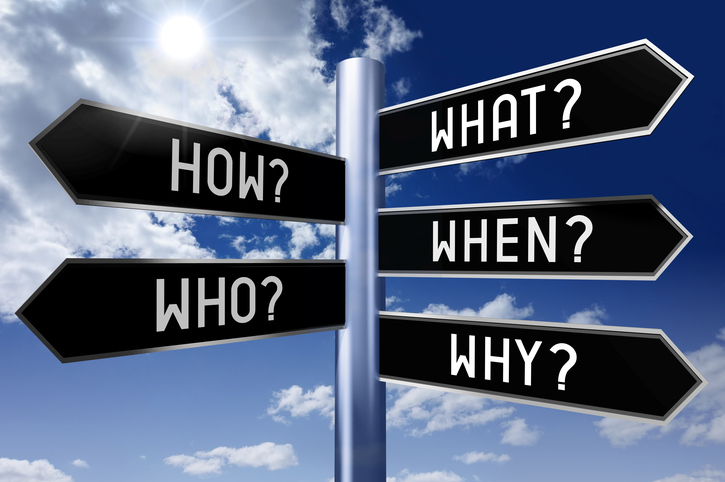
[(181, 37)]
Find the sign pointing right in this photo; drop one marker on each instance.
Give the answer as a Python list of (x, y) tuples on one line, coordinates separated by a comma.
[(612, 94), (628, 238), (631, 373)]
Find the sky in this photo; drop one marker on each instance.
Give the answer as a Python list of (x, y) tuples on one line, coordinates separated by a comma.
[(264, 410)]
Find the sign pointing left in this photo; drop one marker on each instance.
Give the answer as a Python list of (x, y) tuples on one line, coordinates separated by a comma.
[(100, 308), (108, 156)]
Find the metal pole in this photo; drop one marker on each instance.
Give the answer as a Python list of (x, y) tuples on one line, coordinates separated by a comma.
[(359, 396)]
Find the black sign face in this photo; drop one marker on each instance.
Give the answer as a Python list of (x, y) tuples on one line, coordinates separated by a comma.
[(613, 94), (631, 373), (598, 238), (99, 308), (107, 156)]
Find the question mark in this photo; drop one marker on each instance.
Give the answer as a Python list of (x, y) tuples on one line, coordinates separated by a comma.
[(574, 84), (567, 366), (285, 172), (588, 228), (276, 281)]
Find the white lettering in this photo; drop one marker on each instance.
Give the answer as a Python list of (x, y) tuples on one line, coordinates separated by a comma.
[(499, 124), (532, 105), (528, 359), (465, 123), (550, 247), (177, 165), (447, 136), (235, 295), (449, 248), (204, 302), (218, 151), (245, 184), (456, 362), (468, 240), (181, 314), (501, 240), (504, 359)]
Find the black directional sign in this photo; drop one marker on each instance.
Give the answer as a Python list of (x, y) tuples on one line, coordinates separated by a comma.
[(99, 308), (612, 94), (632, 373), (108, 156), (629, 238)]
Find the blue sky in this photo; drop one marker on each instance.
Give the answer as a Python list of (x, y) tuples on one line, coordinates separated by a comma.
[(263, 410)]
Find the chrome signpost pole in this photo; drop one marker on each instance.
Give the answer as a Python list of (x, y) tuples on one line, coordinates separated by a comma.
[(359, 395)]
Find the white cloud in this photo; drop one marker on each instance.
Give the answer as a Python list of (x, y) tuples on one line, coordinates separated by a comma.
[(510, 161), (482, 168), (273, 252), (391, 301), (81, 464), (401, 88), (327, 253), (392, 188), (267, 454), (340, 13), (385, 33), (226, 220), (391, 184), (56, 5), (399, 175), (437, 476), (113, 8), (518, 433), (327, 230), (301, 404), (708, 474), (196, 465), (302, 236), (12, 470), (701, 433), (708, 471), (437, 411), (473, 457), (12, 71), (686, 478), (504, 306), (6, 8), (590, 316), (623, 433)]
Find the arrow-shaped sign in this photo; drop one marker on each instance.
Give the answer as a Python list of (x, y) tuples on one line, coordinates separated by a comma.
[(99, 308), (628, 238), (108, 156), (612, 94), (631, 373)]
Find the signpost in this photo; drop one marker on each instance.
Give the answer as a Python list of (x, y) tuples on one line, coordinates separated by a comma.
[(108, 156), (598, 238), (99, 308), (612, 94), (631, 373)]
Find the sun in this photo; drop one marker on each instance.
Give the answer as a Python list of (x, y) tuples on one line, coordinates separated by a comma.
[(181, 37)]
